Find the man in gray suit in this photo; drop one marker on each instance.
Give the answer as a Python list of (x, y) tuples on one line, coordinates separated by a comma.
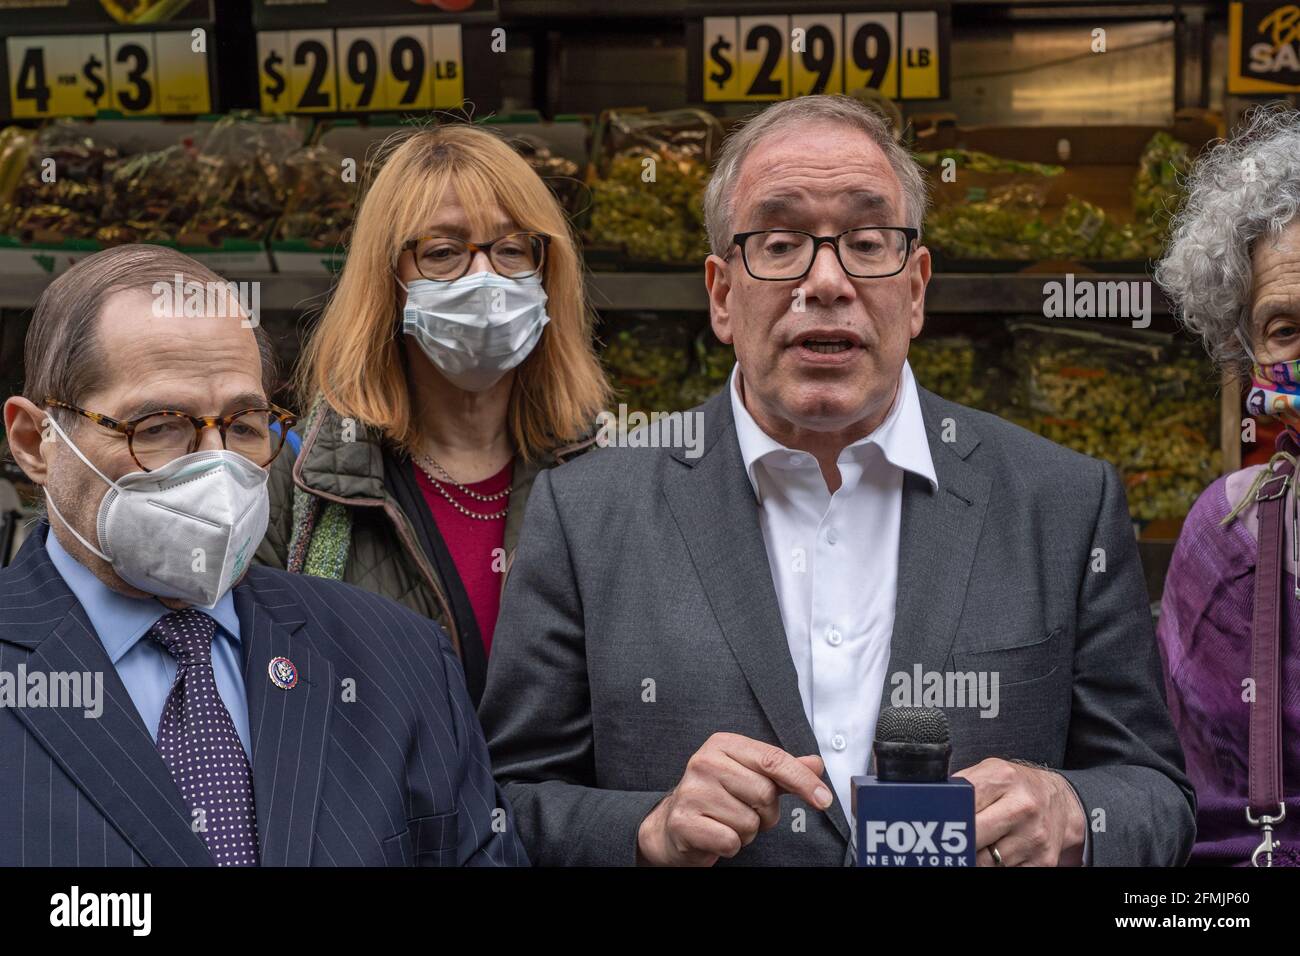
[(695, 642)]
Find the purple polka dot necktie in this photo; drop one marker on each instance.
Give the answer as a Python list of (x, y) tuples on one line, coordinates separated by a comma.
[(200, 745)]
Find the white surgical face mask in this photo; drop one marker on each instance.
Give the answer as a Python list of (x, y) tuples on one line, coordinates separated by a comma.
[(475, 328), (187, 530)]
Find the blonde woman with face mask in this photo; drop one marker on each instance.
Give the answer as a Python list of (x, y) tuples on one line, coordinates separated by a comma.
[(454, 360)]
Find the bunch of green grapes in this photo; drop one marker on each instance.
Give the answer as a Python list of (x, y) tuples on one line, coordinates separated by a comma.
[(660, 220), (946, 366), (1156, 420), (645, 374)]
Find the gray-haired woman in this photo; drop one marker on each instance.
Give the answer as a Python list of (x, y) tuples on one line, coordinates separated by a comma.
[(1233, 271)]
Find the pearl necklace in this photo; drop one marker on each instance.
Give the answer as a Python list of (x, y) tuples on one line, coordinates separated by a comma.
[(496, 496)]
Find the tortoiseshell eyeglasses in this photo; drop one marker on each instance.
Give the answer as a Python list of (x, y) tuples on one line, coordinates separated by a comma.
[(446, 258), (163, 436)]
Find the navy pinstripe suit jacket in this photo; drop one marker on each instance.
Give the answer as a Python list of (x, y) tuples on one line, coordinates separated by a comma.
[(399, 775)]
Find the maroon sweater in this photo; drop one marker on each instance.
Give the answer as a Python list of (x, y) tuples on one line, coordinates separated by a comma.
[(473, 543)]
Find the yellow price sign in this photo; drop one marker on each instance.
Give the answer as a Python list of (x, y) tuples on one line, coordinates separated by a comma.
[(407, 79), (272, 71), (57, 75), (1263, 48), (764, 66), (920, 66), (871, 53), (721, 46), (757, 58), (357, 70), (817, 55), (361, 78), (312, 84), (448, 66), (182, 66), (133, 72)]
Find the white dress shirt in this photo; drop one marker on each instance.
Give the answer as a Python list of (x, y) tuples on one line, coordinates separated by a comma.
[(834, 560)]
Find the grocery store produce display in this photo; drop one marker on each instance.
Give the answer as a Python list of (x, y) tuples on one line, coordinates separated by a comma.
[(319, 204), (658, 364), (709, 372), (1010, 221), (973, 160), (224, 181), (950, 366), (1156, 187), (241, 186), (647, 180), (559, 173), (661, 220), (229, 179), (1149, 408), (68, 204), (646, 363)]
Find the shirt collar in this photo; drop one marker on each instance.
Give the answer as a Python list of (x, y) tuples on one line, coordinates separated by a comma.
[(901, 437), (118, 619)]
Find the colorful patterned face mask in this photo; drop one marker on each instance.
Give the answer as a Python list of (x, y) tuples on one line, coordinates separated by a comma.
[(1274, 389)]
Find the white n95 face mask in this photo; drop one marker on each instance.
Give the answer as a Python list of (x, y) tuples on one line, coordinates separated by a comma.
[(186, 530), (475, 328)]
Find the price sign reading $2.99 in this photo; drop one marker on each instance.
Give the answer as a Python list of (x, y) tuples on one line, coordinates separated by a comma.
[(359, 70), (771, 57)]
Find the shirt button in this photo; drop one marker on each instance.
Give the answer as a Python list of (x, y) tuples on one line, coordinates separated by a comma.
[(834, 637), (796, 459), (831, 536), (838, 742)]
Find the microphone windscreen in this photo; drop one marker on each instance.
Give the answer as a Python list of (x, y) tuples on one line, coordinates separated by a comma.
[(912, 725)]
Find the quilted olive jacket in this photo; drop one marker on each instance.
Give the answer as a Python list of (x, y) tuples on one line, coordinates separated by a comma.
[(342, 508)]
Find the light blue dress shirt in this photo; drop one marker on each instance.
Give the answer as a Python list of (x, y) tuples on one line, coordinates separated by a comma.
[(145, 666)]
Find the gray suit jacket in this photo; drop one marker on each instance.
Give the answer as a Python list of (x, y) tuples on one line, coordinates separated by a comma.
[(643, 564)]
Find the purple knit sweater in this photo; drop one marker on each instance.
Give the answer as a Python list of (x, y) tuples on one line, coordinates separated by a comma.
[(1204, 635)]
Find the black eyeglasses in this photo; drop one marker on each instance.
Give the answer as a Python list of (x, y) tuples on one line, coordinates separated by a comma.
[(163, 436), (445, 258), (780, 255)]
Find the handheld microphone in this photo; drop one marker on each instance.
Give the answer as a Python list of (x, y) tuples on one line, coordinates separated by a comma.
[(910, 812)]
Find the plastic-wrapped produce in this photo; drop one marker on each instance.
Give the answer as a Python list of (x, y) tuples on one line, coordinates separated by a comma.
[(1149, 408), (949, 366), (14, 150), (560, 174), (150, 196), (1005, 217), (1007, 224), (646, 362), (1157, 187), (650, 170), (319, 204), (71, 205), (241, 183), (658, 220)]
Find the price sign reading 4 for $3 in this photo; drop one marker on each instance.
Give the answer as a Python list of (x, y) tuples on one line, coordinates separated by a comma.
[(132, 73), (359, 70), (754, 58)]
